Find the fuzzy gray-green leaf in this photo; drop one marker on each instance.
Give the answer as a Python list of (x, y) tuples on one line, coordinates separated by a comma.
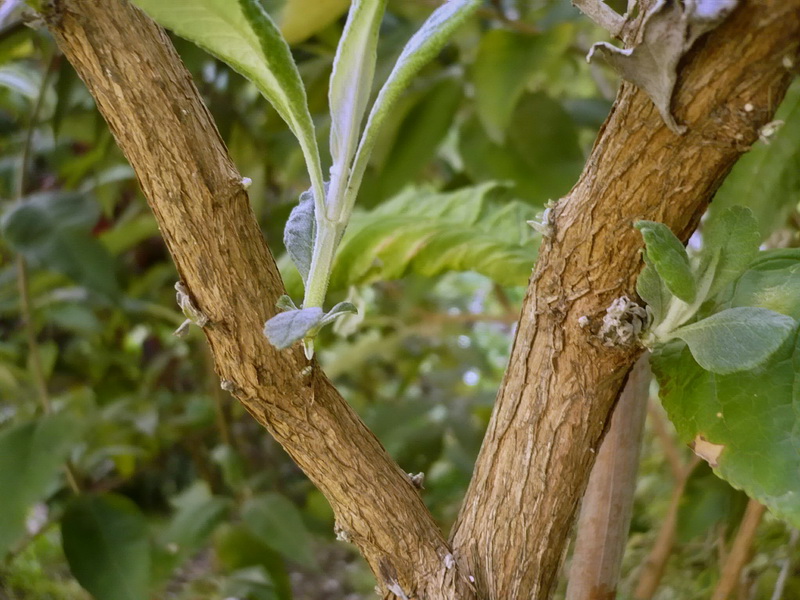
[(669, 258), (423, 46), (736, 339), (340, 309), (285, 328), (285, 303), (351, 79), (298, 236), (652, 290)]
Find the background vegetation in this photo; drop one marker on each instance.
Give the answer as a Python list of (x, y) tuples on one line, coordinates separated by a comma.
[(98, 396)]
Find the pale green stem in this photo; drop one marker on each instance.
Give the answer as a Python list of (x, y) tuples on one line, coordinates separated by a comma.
[(319, 274), (311, 155), (325, 243)]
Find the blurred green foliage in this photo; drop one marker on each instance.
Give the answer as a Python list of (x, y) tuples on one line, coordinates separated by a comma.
[(176, 481)]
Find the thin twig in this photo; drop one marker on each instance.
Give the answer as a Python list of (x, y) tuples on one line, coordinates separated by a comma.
[(26, 311), (23, 280), (653, 568), (602, 15), (740, 551), (783, 576)]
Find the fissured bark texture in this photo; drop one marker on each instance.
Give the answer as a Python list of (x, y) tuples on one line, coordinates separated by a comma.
[(562, 383)]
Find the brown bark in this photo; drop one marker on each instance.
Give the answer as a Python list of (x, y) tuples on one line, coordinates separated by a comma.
[(159, 121), (561, 384), (607, 505)]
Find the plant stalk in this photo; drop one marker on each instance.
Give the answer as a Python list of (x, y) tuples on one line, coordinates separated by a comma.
[(740, 552), (607, 506)]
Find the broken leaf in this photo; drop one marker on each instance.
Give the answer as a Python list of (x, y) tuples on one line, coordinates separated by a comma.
[(668, 31), (753, 414), (706, 450)]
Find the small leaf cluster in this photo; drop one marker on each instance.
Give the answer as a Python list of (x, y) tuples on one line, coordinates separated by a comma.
[(676, 289), (723, 333)]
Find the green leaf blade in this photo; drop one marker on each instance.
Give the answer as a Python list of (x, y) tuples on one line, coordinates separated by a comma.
[(274, 520), (351, 79), (242, 34), (652, 291), (504, 59), (423, 46), (299, 234), (431, 233), (750, 417), (31, 455), (733, 237), (736, 339), (668, 256), (106, 544), (771, 281)]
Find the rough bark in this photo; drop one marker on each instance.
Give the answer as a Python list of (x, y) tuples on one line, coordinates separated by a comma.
[(165, 131), (561, 383)]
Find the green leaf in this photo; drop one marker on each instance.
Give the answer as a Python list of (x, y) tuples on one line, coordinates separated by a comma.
[(541, 156), (253, 583), (31, 456), (501, 72), (106, 544), (417, 140), (285, 328), (736, 339), (53, 230), (285, 303), (339, 310), (277, 522), (730, 241), (300, 19), (236, 547), (301, 229), (652, 290), (771, 281), (351, 81), (750, 418), (767, 178), (423, 46), (197, 514), (430, 233), (668, 256), (242, 34)]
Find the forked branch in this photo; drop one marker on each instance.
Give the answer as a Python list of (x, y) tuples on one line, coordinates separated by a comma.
[(156, 114)]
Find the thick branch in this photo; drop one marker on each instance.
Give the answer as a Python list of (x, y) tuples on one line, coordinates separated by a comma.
[(561, 384), (159, 121)]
